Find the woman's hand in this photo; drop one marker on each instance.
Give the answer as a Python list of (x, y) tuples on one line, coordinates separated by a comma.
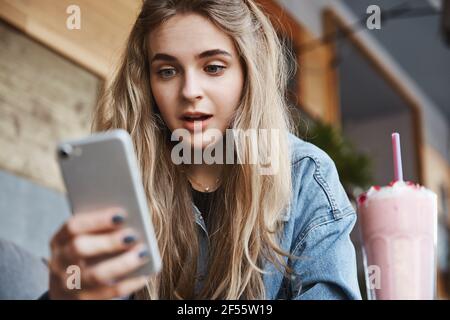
[(104, 251)]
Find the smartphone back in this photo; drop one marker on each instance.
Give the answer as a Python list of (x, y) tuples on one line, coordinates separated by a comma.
[(101, 171)]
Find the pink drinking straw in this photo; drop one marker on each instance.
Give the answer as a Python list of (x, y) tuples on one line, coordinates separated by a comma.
[(398, 171)]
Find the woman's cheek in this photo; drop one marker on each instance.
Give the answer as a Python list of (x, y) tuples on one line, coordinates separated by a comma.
[(166, 105)]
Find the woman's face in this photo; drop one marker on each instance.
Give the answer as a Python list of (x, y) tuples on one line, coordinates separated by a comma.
[(194, 68)]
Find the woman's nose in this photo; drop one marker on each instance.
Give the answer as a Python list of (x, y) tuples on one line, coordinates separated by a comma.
[(191, 87)]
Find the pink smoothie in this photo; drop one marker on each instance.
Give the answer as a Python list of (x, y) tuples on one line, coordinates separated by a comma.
[(399, 226)]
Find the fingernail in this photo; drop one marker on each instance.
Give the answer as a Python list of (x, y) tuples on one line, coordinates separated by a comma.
[(144, 254), (129, 239), (118, 219)]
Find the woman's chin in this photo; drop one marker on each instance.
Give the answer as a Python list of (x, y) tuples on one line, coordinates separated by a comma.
[(199, 142)]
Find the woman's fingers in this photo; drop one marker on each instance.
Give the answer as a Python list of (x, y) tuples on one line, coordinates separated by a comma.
[(86, 246), (102, 280), (104, 251), (108, 271), (89, 222), (121, 289)]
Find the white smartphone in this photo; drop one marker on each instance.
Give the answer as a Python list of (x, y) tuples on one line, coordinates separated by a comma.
[(101, 171)]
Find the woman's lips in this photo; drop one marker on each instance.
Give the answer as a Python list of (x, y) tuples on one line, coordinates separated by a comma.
[(196, 124)]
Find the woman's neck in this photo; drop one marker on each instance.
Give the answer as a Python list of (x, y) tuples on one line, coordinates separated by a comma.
[(204, 177)]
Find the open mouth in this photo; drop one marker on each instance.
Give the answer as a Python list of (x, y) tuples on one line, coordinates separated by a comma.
[(196, 118), (193, 121)]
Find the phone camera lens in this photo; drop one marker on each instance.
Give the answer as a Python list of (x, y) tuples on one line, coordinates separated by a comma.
[(65, 151)]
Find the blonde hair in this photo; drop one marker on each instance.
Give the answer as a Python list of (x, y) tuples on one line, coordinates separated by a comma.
[(247, 212)]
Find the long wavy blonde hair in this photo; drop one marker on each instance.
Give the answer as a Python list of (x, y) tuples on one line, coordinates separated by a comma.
[(247, 213)]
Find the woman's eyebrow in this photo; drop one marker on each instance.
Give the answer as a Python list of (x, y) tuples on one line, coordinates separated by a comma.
[(208, 53), (213, 52)]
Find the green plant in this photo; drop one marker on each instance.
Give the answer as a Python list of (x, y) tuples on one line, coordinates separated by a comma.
[(354, 167)]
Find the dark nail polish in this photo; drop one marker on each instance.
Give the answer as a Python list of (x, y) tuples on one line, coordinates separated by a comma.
[(144, 254), (118, 219), (129, 239)]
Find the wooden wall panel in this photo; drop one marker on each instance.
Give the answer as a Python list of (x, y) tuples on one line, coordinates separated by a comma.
[(43, 99), (105, 25)]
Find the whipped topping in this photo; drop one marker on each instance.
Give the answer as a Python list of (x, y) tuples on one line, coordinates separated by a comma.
[(394, 188)]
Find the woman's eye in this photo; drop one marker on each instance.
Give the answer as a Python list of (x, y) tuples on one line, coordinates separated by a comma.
[(166, 73), (214, 69)]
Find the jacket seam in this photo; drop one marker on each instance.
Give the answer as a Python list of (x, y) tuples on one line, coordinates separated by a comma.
[(311, 228), (322, 183)]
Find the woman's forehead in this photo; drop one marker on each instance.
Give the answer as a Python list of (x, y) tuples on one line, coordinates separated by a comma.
[(189, 34)]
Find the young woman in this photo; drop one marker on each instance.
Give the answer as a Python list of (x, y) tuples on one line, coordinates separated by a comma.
[(225, 231)]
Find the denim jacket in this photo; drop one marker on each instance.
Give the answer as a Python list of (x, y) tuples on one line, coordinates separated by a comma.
[(317, 225)]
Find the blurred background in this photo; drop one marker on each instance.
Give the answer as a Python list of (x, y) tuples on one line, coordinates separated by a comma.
[(354, 86)]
